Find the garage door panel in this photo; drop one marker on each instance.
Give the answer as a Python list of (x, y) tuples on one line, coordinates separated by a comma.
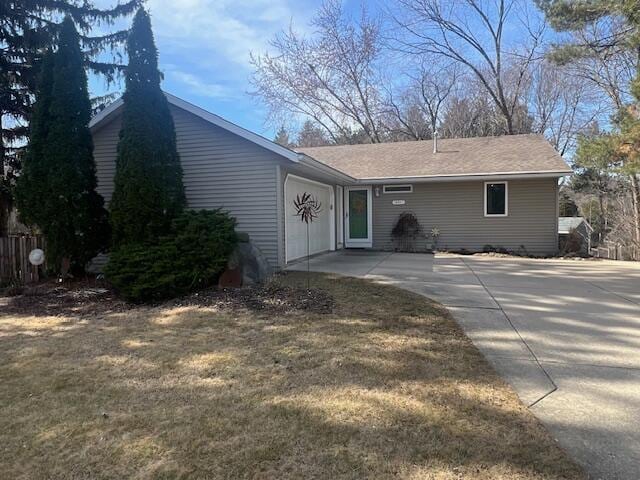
[(296, 230)]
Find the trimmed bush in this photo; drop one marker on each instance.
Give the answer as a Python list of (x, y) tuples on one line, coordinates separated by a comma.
[(191, 257), (405, 232)]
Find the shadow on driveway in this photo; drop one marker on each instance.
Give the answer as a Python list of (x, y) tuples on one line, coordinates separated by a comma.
[(565, 334)]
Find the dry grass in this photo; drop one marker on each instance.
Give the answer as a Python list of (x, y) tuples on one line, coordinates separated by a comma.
[(385, 387)]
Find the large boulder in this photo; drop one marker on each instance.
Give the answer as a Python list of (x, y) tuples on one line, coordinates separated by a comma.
[(250, 260)]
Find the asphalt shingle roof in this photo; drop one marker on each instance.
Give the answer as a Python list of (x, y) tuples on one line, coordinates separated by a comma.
[(511, 154)]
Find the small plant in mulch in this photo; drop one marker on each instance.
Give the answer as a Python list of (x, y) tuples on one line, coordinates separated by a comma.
[(435, 236)]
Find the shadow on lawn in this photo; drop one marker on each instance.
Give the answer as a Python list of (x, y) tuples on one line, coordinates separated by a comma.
[(97, 298), (198, 393)]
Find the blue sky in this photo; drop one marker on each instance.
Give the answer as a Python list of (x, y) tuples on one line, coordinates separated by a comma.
[(204, 48)]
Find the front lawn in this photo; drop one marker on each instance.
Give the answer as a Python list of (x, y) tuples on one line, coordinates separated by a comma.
[(383, 386)]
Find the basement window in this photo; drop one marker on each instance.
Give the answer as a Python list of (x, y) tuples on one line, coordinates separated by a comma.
[(397, 189), (496, 199)]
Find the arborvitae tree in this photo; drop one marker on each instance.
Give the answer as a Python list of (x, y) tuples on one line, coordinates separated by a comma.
[(57, 191), (27, 30), (148, 191)]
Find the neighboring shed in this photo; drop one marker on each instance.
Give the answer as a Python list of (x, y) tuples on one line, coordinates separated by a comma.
[(579, 225)]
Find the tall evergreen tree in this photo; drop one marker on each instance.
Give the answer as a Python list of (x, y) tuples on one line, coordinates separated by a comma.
[(282, 138), (148, 191), (57, 190), (311, 135), (27, 30), (33, 180)]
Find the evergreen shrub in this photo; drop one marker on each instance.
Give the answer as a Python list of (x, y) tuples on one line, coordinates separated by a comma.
[(190, 257)]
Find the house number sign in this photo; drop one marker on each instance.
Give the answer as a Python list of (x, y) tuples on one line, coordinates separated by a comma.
[(398, 202)]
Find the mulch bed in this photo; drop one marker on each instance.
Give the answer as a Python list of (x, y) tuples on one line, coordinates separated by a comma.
[(269, 298), (515, 255), (92, 297)]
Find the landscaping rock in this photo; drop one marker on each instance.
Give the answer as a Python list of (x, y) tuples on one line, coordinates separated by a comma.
[(249, 258), (231, 278)]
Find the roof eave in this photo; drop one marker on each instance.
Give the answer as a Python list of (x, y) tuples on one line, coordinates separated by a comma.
[(100, 118), (467, 177)]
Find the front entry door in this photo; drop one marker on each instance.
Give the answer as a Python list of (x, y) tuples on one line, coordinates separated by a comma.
[(358, 217)]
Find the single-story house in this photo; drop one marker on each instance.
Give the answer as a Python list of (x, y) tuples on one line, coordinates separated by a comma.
[(499, 191), (580, 226)]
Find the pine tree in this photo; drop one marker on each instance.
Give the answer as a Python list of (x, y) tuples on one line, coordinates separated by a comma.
[(622, 149), (33, 180), (282, 138), (27, 30), (57, 190), (148, 191), (311, 136)]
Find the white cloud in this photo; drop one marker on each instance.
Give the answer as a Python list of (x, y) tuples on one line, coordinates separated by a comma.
[(198, 86), (204, 48), (221, 31)]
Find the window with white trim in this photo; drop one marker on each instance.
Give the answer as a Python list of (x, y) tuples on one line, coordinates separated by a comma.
[(397, 189), (496, 199)]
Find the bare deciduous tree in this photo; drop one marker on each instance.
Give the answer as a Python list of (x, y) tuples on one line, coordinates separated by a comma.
[(459, 75), (416, 112), (330, 78), (563, 105), (472, 113), (472, 34), (469, 116)]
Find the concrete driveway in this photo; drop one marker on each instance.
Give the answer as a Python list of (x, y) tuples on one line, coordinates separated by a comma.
[(565, 334)]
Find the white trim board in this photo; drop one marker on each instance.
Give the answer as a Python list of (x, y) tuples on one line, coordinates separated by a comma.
[(339, 217), (359, 242), (498, 176), (506, 199)]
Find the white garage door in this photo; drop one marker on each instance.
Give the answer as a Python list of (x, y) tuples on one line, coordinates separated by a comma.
[(320, 230)]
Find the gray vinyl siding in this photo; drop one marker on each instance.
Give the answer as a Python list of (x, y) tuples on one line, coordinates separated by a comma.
[(221, 170), (457, 210)]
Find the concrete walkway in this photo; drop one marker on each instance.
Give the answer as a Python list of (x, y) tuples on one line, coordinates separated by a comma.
[(565, 334)]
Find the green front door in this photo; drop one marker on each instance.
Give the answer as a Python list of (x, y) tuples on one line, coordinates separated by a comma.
[(358, 221), (358, 218)]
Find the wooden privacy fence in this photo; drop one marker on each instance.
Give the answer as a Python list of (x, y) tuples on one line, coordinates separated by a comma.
[(14, 258)]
